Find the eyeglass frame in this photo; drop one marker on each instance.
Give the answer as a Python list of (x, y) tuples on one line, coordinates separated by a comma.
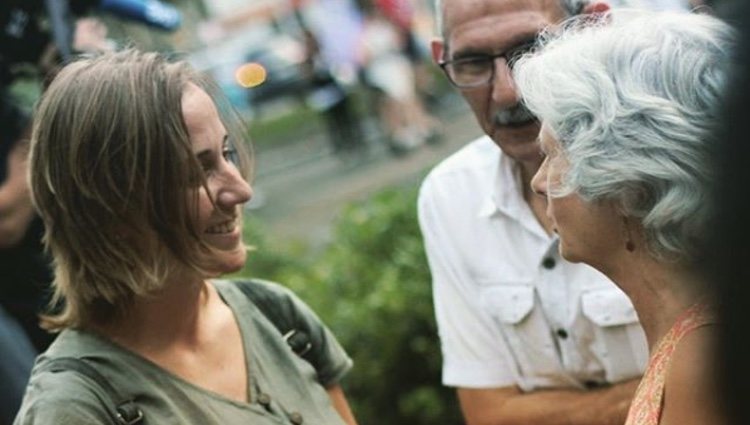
[(511, 56)]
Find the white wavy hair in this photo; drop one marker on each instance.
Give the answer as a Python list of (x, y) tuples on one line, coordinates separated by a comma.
[(633, 101), (571, 7)]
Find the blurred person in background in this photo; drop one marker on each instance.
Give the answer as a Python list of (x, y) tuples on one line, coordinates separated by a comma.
[(629, 110), (527, 337), (22, 264), (401, 13), (24, 269), (139, 237), (390, 73), (331, 98), (34, 39), (15, 367)]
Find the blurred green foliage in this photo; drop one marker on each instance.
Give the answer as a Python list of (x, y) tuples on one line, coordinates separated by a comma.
[(371, 285)]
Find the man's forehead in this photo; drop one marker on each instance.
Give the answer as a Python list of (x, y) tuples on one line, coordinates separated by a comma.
[(493, 33), (498, 15)]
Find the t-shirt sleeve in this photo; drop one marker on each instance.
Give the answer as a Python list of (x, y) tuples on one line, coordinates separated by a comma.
[(326, 355), (61, 399)]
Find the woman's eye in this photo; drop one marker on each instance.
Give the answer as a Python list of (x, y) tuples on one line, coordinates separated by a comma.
[(230, 154)]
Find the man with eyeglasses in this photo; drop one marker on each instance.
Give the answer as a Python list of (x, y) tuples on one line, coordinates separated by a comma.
[(527, 338)]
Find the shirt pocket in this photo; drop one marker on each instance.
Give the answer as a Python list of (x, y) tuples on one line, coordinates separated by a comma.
[(516, 311), (619, 343)]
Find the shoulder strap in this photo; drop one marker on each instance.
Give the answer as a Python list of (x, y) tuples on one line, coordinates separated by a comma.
[(267, 302), (122, 410)]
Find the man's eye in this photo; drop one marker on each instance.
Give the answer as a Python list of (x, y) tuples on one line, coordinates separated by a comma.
[(472, 65)]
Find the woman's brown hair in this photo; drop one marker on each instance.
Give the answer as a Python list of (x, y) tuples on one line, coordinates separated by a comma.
[(111, 166)]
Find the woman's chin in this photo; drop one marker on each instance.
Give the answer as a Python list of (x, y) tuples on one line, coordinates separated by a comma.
[(229, 262), (567, 254)]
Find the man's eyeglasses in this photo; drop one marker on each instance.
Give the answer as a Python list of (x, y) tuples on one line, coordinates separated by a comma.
[(475, 71)]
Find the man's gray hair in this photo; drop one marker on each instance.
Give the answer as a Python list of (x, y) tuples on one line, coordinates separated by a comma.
[(571, 7), (633, 101)]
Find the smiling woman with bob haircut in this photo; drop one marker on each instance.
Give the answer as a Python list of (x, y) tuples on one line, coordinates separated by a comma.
[(628, 108), (140, 180)]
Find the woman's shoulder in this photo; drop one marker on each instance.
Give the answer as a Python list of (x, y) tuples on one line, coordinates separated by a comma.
[(257, 290), (60, 397), (690, 387), (75, 379), (264, 301), (265, 285)]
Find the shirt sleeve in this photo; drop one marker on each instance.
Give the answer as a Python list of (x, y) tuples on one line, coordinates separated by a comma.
[(475, 354), (326, 355), (329, 358), (62, 398)]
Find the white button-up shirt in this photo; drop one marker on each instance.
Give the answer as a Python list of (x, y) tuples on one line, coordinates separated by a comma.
[(510, 311)]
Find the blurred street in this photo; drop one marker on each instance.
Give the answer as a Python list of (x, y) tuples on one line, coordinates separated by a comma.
[(300, 187)]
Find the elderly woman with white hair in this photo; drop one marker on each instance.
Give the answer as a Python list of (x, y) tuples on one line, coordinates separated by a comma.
[(628, 107)]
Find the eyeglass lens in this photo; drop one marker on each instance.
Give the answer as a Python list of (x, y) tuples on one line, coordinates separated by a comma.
[(479, 70)]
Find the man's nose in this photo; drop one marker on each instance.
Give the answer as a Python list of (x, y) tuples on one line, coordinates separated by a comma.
[(504, 93)]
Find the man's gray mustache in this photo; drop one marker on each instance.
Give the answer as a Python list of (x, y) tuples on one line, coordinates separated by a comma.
[(517, 115)]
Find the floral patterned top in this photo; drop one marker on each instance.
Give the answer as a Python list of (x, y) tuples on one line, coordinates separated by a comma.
[(649, 397)]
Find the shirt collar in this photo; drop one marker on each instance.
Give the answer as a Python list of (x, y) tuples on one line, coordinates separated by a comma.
[(504, 198)]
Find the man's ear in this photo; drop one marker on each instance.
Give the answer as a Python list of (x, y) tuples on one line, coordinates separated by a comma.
[(436, 46), (596, 7)]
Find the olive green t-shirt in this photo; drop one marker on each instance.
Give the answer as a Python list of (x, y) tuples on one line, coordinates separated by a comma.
[(282, 387)]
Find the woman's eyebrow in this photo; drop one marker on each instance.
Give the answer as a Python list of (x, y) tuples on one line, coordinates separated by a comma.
[(205, 153)]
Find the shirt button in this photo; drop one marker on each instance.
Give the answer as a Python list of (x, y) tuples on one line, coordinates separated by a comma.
[(549, 263), (591, 384), (296, 418), (562, 333), (264, 399)]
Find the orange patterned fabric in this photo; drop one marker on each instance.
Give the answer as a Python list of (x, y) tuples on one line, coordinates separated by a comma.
[(649, 397)]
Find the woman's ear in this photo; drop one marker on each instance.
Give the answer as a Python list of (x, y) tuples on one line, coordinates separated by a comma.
[(596, 8)]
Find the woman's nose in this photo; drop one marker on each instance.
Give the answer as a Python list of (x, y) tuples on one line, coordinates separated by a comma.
[(539, 182), (235, 190)]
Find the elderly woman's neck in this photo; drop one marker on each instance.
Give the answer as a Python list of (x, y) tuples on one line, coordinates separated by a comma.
[(660, 292)]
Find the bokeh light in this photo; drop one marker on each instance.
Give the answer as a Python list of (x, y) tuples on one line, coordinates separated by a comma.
[(250, 75)]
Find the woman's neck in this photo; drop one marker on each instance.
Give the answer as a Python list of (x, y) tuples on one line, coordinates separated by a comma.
[(660, 291), (174, 315), (189, 331)]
